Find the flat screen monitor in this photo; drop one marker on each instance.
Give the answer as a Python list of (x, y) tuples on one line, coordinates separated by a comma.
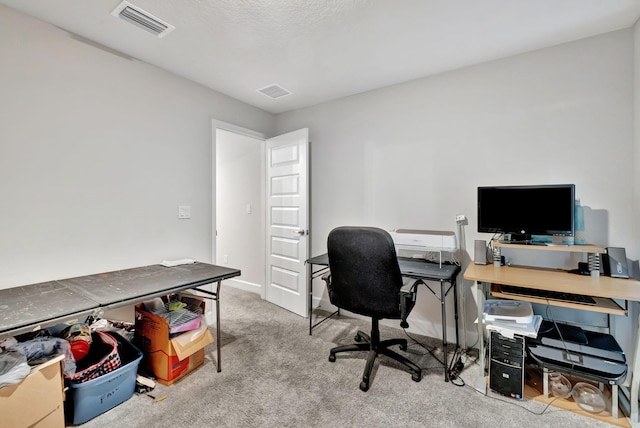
[(523, 211)]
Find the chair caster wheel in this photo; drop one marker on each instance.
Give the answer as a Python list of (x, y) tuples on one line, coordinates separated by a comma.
[(364, 386), (417, 377), (332, 358)]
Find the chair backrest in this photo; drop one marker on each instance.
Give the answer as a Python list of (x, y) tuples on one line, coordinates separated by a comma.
[(365, 276)]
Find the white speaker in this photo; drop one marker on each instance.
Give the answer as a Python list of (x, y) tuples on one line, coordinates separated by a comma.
[(480, 252)]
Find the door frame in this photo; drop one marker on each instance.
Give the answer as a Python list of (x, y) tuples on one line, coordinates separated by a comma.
[(236, 282), (215, 125)]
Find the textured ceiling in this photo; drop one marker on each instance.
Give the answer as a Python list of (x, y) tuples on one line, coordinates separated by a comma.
[(326, 49)]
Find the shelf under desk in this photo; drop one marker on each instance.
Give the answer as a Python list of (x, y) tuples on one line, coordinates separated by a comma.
[(603, 305), (586, 248), (602, 288)]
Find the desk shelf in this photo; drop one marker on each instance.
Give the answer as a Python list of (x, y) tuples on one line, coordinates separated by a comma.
[(603, 304), (587, 248), (602, 288), (533, 390)]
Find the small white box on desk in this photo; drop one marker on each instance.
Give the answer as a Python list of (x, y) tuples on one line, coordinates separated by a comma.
[(513, 311)]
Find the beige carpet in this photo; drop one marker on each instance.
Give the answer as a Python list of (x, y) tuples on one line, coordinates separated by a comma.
[(275, 375)]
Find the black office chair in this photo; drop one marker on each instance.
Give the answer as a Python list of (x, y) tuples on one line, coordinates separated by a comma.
[(365, 279)]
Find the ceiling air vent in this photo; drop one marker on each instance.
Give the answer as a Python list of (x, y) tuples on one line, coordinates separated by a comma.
[(274, 91), (142, 19)]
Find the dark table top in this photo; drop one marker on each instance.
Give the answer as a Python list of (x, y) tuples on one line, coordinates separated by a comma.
[(35, 304)]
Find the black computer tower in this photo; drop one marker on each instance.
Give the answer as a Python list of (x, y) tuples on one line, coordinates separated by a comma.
[(506, 365)]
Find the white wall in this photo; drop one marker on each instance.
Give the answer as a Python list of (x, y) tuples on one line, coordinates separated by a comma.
[(98, 150), (412, 155), (635, 251), (96, 153)]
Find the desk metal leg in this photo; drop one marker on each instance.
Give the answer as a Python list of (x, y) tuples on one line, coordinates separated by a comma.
[(481, 384), (545, 382), (445, 346), (310, 309), (216, 297), (614, 401), (635, 380), (312, 276), (443, 308), (443, 298), (219, 353), (455, 312)]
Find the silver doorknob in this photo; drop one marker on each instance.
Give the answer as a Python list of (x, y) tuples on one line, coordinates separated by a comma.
[(301, 232)]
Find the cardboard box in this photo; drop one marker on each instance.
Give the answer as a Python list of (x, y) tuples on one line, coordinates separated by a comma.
[(169, 359), (37, 401)]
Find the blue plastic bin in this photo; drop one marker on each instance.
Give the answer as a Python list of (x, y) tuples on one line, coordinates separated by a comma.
[(89, 399)]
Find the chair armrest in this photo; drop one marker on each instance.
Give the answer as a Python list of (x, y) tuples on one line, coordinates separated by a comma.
[(407, 300), (327, 278), (410, 287)]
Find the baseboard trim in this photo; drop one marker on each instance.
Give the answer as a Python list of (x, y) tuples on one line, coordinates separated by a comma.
[(243, 285)]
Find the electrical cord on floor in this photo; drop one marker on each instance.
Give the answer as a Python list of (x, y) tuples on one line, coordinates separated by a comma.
[(515, 403), (453, 370), (424, 346)]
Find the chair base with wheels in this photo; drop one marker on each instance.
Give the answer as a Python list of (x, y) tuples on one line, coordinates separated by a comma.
[(376, 347)]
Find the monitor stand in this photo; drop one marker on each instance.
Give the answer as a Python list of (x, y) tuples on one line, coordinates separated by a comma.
[(519, 238), (522, 239)]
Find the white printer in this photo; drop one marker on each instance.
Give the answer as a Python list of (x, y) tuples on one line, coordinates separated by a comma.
[(424, 240), (416, 243)]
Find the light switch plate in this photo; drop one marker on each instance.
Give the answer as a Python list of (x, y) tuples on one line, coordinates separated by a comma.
[(184, 211)]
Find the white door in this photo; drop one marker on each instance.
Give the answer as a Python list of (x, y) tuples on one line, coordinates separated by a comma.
[(288, 221)]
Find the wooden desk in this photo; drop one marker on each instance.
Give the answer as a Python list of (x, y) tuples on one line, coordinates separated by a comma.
[(603, 288), (36, 306)]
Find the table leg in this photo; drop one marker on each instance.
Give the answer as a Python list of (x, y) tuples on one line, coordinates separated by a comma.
[(445, 347), (545, 382), (635, 380), (455, 311), (218, 327), (481, 383), (312, 276), (310, 311)]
